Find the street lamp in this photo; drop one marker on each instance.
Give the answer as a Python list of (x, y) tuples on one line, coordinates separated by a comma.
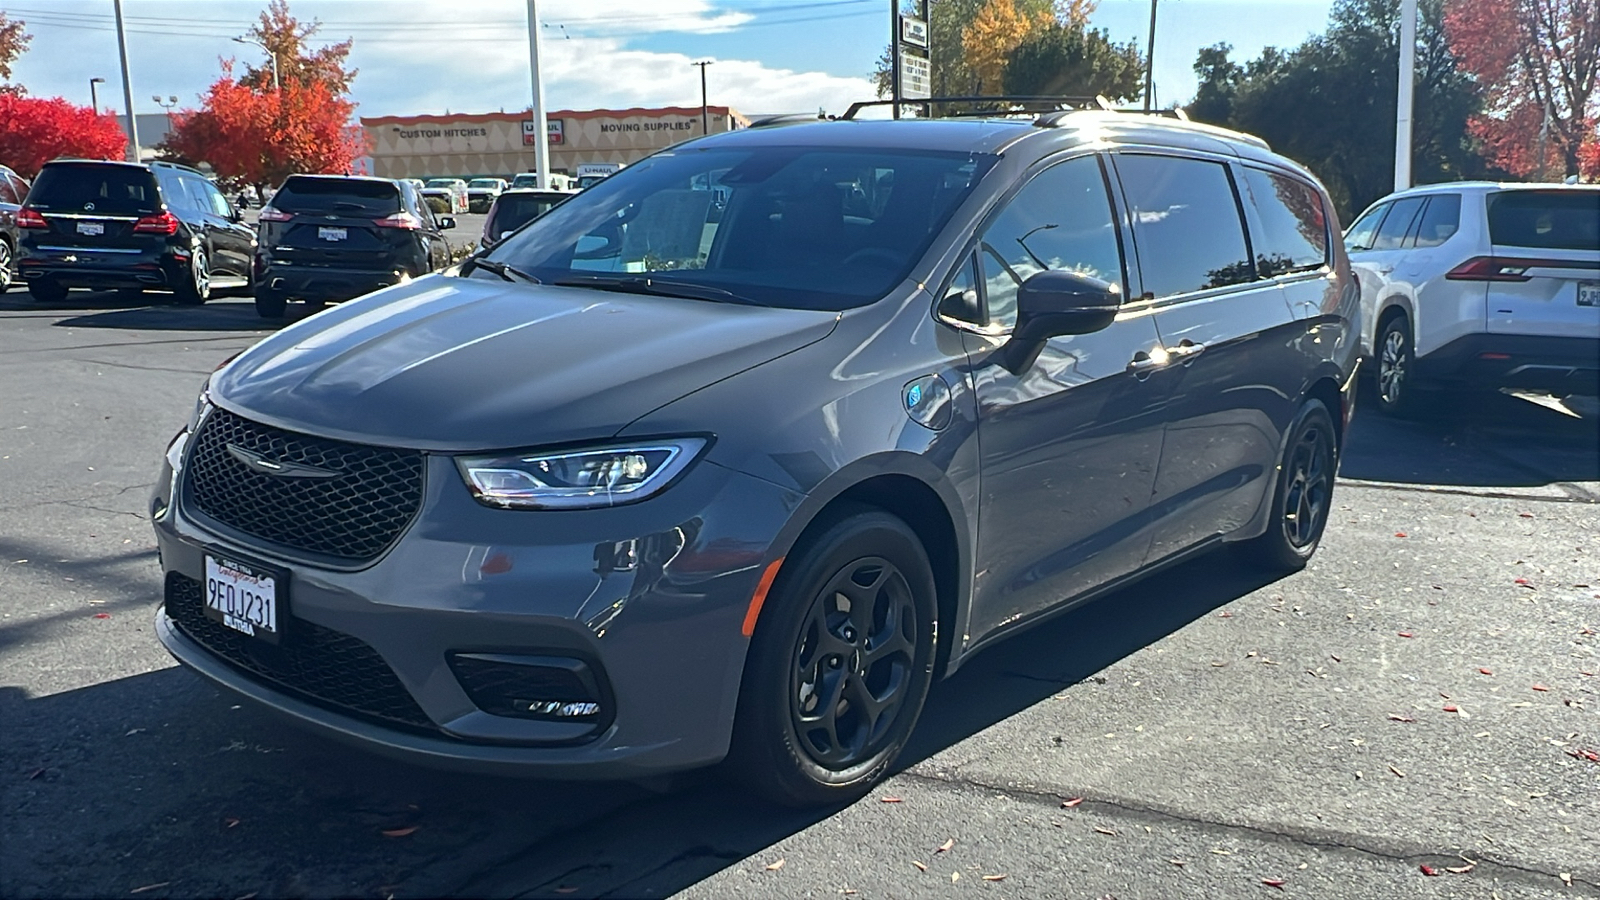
[(270, 55), (705, 128), (94, 95), (167, 106)]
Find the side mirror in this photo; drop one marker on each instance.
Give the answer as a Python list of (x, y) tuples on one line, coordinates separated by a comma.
[(1054, 303), (446, 223)]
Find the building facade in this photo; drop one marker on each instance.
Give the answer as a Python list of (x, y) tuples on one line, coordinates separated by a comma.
[(502, 144)]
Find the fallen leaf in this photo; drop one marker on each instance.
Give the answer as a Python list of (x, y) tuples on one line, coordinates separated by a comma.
[(890, 800), (1429, 871), (849, 892), (920, 866), (1101, 830), (1334, 658), (1399, 534), (229, 821), (1566, 878), (1224, 615), (1461, 870), (1177, 862), (955, 877), (149, 887), (1068, 804), (35, 774), (994, 878), (102, 615), (1397, 772), (945, 847), (1279, 882), (1524, 515), (400, 832), (1450, 707), (773, 867), (1540, 687), (1405, 634), (1394, 718), (1485, 671)]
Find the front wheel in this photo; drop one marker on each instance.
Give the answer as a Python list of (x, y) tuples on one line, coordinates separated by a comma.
[(1395, 365), (1303, 494), (839, 665), (5, 266)]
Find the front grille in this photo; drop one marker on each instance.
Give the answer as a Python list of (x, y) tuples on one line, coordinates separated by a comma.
[(354, 515), (318, 664)]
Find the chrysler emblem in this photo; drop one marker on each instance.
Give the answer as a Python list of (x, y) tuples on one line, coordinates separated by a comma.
[(258, 463)]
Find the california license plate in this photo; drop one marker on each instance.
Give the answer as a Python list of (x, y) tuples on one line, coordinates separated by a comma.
[(332, 234), (92, 228), (1589, 293), (242, 597)]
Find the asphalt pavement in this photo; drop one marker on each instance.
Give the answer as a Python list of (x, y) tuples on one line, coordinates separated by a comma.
[(1422, 699)]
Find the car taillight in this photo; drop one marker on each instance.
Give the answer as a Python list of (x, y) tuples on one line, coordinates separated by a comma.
[(1492, 268), (399, 220), (27, 218), (269, 214), (165, 223)]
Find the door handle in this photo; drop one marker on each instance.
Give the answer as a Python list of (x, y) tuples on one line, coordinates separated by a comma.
[(1383, 270), (1144, 363), (1185, 352)]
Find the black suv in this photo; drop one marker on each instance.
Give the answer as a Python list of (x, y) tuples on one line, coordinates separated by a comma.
[(98, 224), (12, 191), (334, 237)]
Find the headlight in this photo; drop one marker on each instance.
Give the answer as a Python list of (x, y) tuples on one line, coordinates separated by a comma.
[(579, 479), (202, 403)]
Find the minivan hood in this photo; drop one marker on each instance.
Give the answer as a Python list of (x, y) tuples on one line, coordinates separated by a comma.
[(448, 363)]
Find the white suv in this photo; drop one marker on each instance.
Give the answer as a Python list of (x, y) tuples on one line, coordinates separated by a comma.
[(1483, 284)]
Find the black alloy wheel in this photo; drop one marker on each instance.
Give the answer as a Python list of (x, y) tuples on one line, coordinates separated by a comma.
[(5, 265), (197, 289), (1303, 495), (270, 304), (47, 290), (839, 665), (1395, 364)]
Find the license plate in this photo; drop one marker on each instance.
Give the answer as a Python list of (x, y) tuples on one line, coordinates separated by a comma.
[(333, 234), (1589, 293), (91, 228), (243, 597)]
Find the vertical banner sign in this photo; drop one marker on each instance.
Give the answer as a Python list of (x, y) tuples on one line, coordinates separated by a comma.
[(915, 72)]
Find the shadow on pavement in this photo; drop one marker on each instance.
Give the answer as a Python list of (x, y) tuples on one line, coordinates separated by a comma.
[(1472, 440), (159, 778), (151, 311)]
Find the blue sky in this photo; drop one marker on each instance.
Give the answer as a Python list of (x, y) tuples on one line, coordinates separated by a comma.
[(430, 56)]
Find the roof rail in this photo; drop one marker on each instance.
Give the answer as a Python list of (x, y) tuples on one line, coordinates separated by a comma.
[(1056, 119), (994, 104), (784, 119)]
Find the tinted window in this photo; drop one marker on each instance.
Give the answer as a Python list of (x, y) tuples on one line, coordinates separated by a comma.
[(1360, 235), (1441, 218), (79, 187), (513, 211), (1060, 220), (1397, 224), (1555, 220), (353, 196), (785, 226), (1186, 222), (219, 203), (8, 194), (18, 185), (198, 191), (1294, 227)]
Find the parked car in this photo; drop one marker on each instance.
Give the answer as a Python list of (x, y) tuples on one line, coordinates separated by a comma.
[(452, 190), (591, 174), (1480, 285), (481, 192), (635, 491), (13, 189), (333, 237), (515, 208), (101, 225), (555, 182)]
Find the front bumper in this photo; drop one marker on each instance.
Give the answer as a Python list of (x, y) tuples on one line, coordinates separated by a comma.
[(651, 596), (1568, 365)]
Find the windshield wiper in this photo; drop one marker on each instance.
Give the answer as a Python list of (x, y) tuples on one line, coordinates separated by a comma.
[(649, 284), (505, 271)]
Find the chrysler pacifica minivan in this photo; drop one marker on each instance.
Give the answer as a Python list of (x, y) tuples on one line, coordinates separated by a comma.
[(733, 454)]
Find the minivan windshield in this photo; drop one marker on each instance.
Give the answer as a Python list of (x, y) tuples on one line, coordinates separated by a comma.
[(799, 227), (107, 188), (359, 196)]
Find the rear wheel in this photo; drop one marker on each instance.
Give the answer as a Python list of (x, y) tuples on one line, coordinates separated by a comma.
[(1395, 368), (839, 665), (1303, 495), (270, 304), (5, 265), (47, 290), (197, 288)]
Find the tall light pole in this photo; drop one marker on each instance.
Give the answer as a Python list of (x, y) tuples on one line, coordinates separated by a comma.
[(127, 84), (270, 55), (166, 105), (705, 127), (1402, 114), (94, 95), (541, 126), (1150, 60)]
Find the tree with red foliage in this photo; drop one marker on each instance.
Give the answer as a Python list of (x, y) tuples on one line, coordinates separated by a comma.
[(285, 38), (1537, 64), (38, 130), (263, 137)]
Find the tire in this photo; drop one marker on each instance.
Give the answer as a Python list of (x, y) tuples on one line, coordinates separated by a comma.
[(47, 290), (196, 289), (800, 737), (270, 304), (1302, 496), (5, 265), (1394, 376)]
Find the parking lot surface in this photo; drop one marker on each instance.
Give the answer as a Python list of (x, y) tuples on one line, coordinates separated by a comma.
[(1415, 715)]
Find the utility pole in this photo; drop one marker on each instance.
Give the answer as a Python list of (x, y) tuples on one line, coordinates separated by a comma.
[(127, 85), (894, 55), (1150, 60), (541, 126), (1402, 115), (270, 55), (705, 127), (94, 95)]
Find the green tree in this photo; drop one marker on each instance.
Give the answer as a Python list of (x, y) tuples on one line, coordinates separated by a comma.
[(13, 40), (949, 75), (1075, 61)]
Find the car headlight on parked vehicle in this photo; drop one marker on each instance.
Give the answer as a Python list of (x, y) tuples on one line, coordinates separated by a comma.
[(579, 479)]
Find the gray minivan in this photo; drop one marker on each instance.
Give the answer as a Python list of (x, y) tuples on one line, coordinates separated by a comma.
[(734, 453)]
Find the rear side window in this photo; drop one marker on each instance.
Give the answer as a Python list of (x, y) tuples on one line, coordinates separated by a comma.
[(1397, 224), (114, 190), (1551, 220), (1440, 220), (513, 211), (1186, 223), (350, 196), (8, 194), (1294, 227)]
